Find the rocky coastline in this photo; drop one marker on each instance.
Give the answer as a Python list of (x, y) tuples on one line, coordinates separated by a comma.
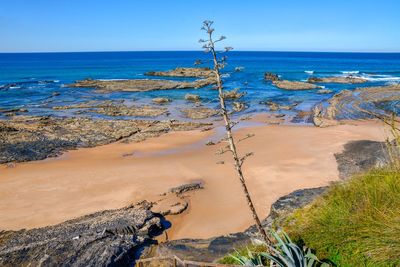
[(345, 80), (26, 138), (366, 102), (288, 85), (105, 238)]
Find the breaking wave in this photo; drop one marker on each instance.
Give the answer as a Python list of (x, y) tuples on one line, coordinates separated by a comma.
[(351, 72)]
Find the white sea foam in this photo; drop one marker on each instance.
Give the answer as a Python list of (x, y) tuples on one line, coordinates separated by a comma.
[(351, 72), (226, 75), (105, 80), (309, 72), (380, 77)]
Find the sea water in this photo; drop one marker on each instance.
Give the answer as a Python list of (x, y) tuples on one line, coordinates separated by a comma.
[(39, 81)]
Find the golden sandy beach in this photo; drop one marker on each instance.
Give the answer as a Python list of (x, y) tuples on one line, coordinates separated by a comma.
[(287, 157)]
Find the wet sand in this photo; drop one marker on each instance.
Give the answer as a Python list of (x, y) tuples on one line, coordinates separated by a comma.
[(287, 157)]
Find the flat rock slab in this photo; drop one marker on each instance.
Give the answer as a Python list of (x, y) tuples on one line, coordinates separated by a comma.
[(140, 85), (344, 80), (184, 72), (106, 238), (199, 113), (366, 102), (294, 85)]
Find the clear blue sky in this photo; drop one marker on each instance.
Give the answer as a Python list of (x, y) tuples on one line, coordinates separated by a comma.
[(128, 25)]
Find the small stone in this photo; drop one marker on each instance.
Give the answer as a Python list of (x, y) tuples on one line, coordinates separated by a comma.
[(192, 97), (324, 91), (161, 100)]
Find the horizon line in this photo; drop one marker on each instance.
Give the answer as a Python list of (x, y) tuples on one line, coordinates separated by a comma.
[(124, 51)]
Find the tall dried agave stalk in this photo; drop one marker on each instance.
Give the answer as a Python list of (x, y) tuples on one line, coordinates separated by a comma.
[(219, 63)]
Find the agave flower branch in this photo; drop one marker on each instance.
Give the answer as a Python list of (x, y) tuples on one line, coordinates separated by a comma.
[(219, 63)]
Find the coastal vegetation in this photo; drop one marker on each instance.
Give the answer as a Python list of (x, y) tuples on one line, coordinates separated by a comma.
[(355, 223)]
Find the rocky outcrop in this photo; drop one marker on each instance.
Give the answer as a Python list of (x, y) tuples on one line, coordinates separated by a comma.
[(161, 100), (339, 79), (360, 156), (233, 94), (140, 85), (192, 97), (135, 111), (106, 238), (268, 76), (89, 104), (116, 108), (273, 106), (173, 202), (199, 113), (324, 91), (294, 85), (288, 85), (184, 72), (186, 187), (365, 102), (35, 138), (12, 111)]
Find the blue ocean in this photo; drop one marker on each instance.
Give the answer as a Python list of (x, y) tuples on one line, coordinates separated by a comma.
[(37, 81)]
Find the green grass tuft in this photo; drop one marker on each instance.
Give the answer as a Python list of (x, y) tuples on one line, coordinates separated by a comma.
[(357, 223)]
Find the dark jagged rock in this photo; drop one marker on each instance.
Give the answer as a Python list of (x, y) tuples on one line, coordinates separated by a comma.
[(347, 80), (186, 187), (288, 85), (359, 156), (233, 94), (106, 238), (206, 250), (271, 77), (35, 138)]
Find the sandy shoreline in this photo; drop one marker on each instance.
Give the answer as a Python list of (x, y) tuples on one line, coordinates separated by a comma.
[(287, 157)]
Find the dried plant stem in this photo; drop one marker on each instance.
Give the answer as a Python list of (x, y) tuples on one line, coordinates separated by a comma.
[(232, 146)]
